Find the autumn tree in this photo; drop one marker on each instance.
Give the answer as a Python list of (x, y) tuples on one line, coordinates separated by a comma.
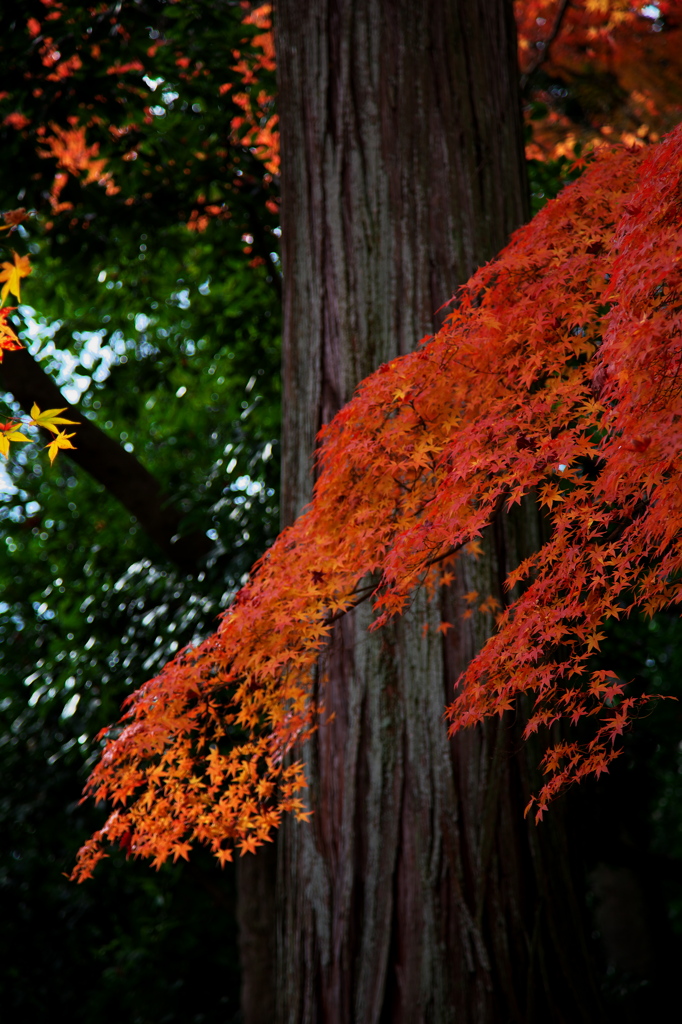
[(417, 857), (379, 886)]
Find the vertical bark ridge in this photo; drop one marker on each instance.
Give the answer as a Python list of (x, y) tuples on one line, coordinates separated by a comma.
[(401, 173)]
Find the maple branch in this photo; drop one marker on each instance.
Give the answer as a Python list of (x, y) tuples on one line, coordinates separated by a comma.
[(364, 593), (109, 463), (544, 44)]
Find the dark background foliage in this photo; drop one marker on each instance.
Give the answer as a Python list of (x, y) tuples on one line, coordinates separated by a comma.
[(171, 339)]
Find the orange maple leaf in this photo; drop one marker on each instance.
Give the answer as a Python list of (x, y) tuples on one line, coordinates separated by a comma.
[(8, 339)]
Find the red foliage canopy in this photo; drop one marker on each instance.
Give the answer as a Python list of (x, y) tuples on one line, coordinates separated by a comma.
[(558, 375), (618, 61)]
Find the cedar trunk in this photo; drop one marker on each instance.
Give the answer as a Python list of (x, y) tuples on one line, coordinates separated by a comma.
[(418, 893)]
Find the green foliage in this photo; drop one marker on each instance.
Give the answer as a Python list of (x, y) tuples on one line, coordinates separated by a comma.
[(171, 339), (88, 609), (546, 178)]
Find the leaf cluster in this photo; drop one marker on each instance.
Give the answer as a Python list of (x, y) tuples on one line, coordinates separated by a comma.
[(594, 73), (557, 374)]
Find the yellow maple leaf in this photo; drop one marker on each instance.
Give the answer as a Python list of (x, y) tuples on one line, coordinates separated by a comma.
[(49, 419), (10, 432), (11, 274), (60, 441)]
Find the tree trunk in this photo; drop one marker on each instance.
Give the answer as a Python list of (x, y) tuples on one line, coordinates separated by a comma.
[(418, 893), (402, 172)]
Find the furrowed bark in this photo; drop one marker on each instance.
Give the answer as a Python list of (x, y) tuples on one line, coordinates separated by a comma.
[(106, 461), (402, 172)]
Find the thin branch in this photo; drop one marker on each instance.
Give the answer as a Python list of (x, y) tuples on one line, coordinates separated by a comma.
[(364, 593), (543, 52)]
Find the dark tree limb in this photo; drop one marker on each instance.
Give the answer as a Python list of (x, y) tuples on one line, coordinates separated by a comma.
[(543, 52), (109, 463)]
